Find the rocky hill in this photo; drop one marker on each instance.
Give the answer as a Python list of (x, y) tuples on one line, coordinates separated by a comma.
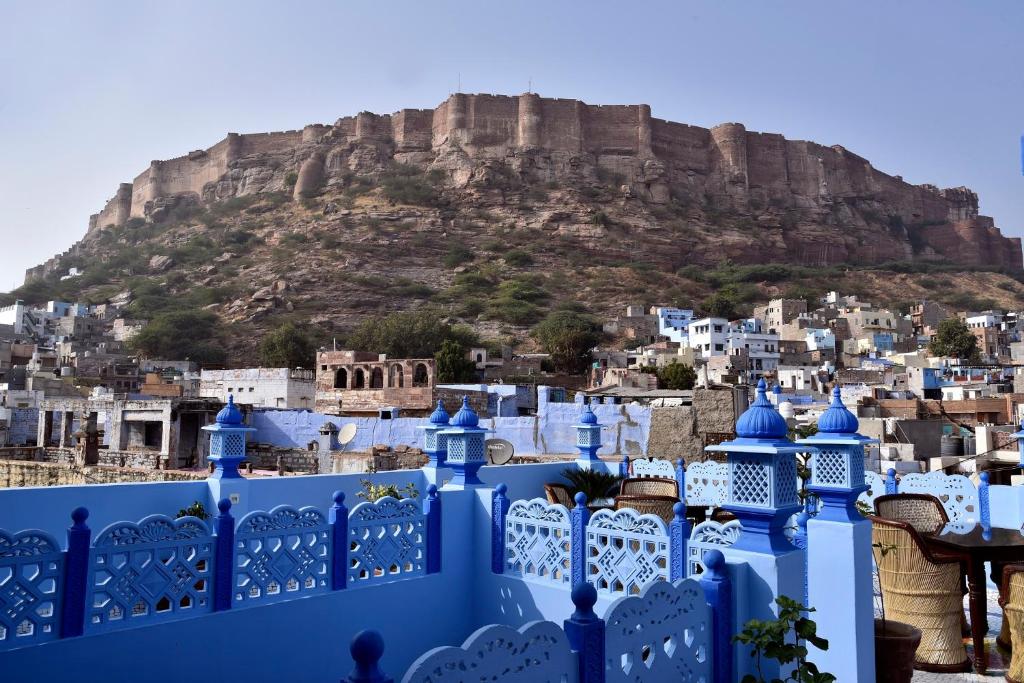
[(498, 208)]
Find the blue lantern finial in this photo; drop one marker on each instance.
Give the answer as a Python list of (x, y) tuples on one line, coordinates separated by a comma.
[(761, 420), (440, 415), (588, 417), (466, 417), (230, 414), (837, 419)]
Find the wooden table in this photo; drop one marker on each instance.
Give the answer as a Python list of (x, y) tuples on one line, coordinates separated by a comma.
[(975, 546)]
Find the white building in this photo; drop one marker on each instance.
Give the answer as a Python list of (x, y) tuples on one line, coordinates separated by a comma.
[(261, 387), (674, 323), (761, 347), (820, 339), (708, 336), (983, 320)]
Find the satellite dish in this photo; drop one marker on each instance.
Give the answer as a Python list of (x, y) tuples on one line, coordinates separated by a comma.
[(346, 434), (499, 451)]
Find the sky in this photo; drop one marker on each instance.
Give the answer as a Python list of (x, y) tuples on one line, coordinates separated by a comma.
[(90, 92)]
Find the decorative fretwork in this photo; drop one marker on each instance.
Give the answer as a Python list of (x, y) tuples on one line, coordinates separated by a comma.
[(706, 536), (956, 492), (749, 482), (653, 468), (31, 565), (466, 450), (663, 634), (158, 569), (626, 551), (537, 541), (538, 652), (387, 541), (830, 468), (281, 555), (707, 484), (786, 485)]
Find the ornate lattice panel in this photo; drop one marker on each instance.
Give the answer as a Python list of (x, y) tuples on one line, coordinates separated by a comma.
[(653, 468), (786, 481), (956, 492), (537, 653), (829, 468), (626, 551), (31, 564), (586, 437), (537, 541), (281, 555), (466, 449), (387, 541), (876, 487), (707, 484), (663, 634), (750, 481), (706, 536), (158, 569)]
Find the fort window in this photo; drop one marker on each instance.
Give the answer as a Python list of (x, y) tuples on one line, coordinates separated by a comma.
[(479, 358), (376, 378), (359, 379), (396, 377), (420, 377), (341, 379)]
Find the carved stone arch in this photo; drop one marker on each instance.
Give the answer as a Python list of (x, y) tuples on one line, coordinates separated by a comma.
[(421, 375), (359, 379), (341, 378), (396, 376), (377, 378)]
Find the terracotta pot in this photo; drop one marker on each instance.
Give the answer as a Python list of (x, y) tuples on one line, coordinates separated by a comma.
[(895, 646)]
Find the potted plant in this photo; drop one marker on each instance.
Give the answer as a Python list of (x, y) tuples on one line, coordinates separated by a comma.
[(895, 642), (785, 640), (593, 483)]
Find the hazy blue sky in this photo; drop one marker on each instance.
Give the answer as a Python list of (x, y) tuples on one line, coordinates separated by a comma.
[(90, 92)]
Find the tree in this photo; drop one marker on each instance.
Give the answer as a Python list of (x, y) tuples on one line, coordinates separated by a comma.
[(181, 335), (409, 334), (287, 347), (719, 305), (954, 339), (452, 363), (569, 337), (676, 376)]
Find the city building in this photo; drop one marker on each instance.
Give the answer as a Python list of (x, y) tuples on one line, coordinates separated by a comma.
[(280, 388)]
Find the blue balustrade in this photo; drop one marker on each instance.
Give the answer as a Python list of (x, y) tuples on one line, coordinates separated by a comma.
[(626, 551), (31, 588), (579, 516), (718, 594), (624, 466), (156, 570), (76, 575), (499, 512), (537, 540), (679, 534), (366, 649), (387, 541), (280, 555), (891, 486), (224, 560), (707, 536), (585, 631), (985, 511)]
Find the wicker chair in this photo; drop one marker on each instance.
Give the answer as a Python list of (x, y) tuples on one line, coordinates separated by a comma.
[(660, 506), (1011, 599), (920, 510), (923, 590), (649, 486), (559, 494)]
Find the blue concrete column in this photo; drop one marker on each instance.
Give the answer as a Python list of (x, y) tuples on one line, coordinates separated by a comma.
[(588, 438), (465, 445), (1019, 434), (839, 548), (227, 451), (763, 496)]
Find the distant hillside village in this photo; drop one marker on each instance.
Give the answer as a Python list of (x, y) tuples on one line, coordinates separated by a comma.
[(939, 389)]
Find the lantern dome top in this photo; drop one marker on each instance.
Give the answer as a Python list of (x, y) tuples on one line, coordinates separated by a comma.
[(230, 415), (838, 419), (761, 420), (466, 417)]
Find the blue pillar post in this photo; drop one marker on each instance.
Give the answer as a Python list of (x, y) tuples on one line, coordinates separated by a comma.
[(227, 451), (718, 594), (585, 632), (224, 557), (763, 495), (435, 444), (891, 487), (985, 511), (624, 466), (678, 535), (578, 518), (465, 446), (681, 478), (499, 511), (432, 510), (76, 575), (839, 548), (588, 438), (366, 649), (338, 519)]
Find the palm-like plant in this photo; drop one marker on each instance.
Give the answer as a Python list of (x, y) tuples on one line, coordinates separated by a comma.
[(593, 483)]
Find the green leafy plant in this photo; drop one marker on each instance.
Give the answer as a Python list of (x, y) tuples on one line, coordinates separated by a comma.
[(783, 639), (593, 483), (196, 509), (373, 491)]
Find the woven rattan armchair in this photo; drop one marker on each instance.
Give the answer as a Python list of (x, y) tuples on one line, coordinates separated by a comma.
[(660, 506), (1011, 599), (920, 510), (559, 494), (649, 486), (921, 589)]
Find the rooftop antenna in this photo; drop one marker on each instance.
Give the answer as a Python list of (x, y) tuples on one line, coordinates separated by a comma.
[(335, 343), (529, 86), (459, 88)]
